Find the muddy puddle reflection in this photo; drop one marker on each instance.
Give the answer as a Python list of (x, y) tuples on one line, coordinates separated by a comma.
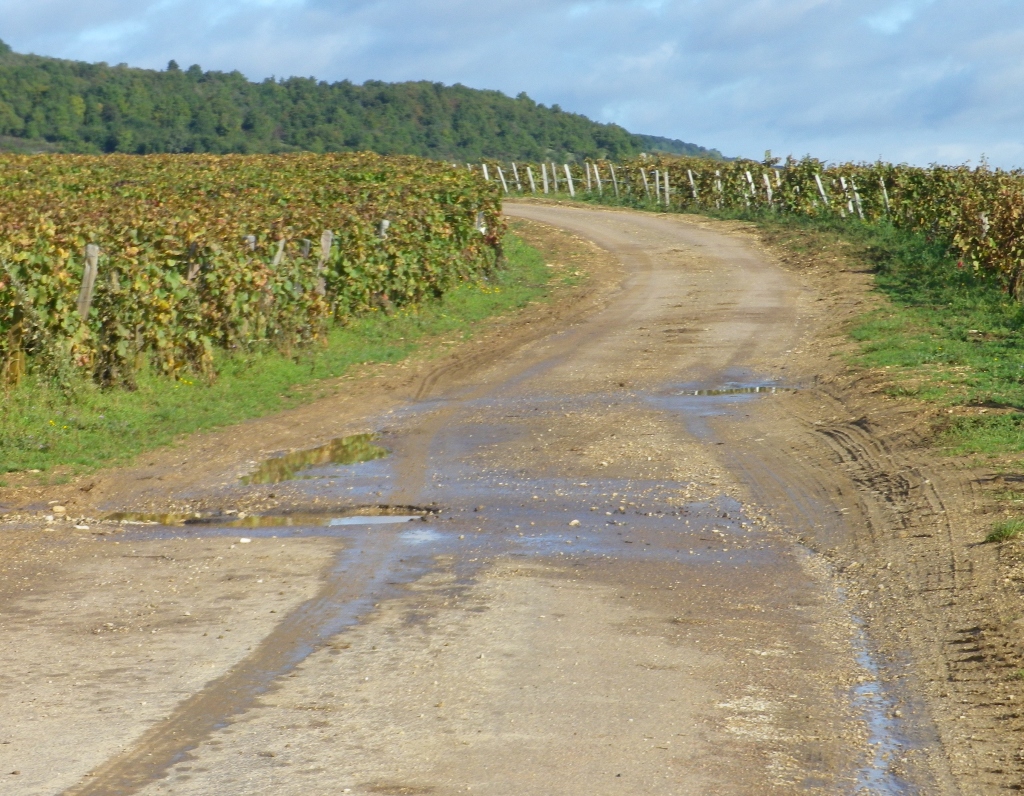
[(758, 389), (381, 516), (353, 449)]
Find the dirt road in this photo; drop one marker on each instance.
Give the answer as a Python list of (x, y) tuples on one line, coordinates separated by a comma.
[(603, 589)]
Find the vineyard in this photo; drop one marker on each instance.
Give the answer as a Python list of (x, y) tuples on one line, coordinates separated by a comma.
[(979, 211), (113, 264)]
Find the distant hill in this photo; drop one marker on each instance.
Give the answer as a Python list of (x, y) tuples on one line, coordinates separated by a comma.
[(49, 104), (673, 146)]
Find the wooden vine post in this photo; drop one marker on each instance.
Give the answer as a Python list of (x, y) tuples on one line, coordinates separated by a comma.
[(92, 258), (326, 241)]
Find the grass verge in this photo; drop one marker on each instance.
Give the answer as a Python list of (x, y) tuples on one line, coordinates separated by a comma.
[(40, 429), (948, 335)]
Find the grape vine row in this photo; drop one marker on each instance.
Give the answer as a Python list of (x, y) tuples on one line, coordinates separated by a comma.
[(192, 253)]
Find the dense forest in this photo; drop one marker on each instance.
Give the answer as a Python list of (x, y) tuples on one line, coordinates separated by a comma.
[(49, 104)]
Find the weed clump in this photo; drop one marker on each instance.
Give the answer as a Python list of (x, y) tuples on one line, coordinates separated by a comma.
[(1006, 530)]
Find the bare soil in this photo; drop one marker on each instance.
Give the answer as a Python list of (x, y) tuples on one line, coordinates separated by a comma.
[(629, 580)]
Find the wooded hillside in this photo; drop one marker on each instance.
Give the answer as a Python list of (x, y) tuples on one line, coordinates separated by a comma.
[(48, 104)]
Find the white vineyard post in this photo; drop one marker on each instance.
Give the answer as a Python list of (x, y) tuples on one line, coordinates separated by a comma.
[(615, 180), (768, 187), (529, 175), (568, 178), (92, 259), (554, 175), (885, 195), (647, 186), (668, 191), (501, 176), (657, 186), (821, 189), (544, 175), (597, 176), (847, 193), (487, 176), (586, 165), (693, 185), (515, 173), (856, 199)]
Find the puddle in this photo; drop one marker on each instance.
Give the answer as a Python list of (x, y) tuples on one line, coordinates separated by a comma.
[(695, 404), (770, 389), (346, 450), (420, 536), (242, 520), (884, 737), (380, 520), (136, 518)]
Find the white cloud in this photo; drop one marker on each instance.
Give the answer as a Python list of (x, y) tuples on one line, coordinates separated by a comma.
[(893, 19), (916, 80)]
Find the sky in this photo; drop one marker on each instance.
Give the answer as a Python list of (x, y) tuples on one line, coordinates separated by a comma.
[(915, 81)]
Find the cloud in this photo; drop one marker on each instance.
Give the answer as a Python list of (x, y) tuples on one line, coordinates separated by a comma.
[(915, 80), (893, 19)]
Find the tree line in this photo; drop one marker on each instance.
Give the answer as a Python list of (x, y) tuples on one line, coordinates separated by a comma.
[(50, 104)]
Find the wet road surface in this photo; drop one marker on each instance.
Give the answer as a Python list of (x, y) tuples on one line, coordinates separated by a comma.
[(566, 587)]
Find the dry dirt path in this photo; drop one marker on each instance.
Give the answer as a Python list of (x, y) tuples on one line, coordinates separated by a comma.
[(601, 597)]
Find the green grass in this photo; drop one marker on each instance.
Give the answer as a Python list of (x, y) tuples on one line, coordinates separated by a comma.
[(948, 335), (1003, 531), (40, 428)]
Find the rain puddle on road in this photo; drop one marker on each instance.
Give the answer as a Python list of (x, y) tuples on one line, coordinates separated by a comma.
[(380, 516), (353, 449), (758, 389), (695, 403), (886, 740)]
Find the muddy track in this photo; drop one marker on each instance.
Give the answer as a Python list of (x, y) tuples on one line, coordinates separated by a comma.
[(636, 571)]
